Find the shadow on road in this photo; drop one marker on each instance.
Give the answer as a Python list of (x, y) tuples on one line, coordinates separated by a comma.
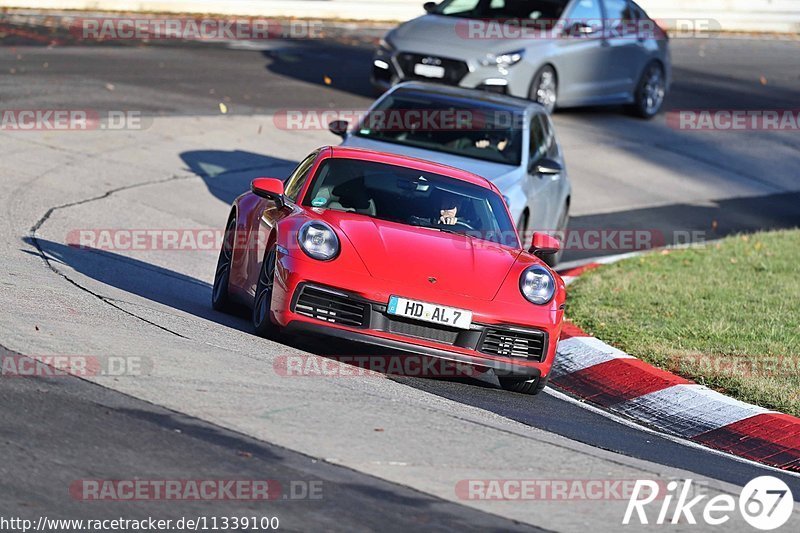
[(685, 223), (227, 174), (336, 66)]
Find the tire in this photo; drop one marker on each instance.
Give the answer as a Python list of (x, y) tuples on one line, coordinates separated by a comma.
[(544, 88), (650, 92), (522, 227), (563, 223), (220, 298), (530, 387), (262, 303)]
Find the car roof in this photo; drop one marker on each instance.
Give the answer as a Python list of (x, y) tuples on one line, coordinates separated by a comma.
[(343, 152), (482, 97)]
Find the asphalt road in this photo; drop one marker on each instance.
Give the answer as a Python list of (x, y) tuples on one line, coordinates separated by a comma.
[(202, 416)]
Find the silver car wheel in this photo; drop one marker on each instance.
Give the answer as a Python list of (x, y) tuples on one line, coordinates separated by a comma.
[(545, 89), (653, 90)]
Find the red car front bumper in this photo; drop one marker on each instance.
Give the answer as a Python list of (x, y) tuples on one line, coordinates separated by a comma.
[(357, 294)]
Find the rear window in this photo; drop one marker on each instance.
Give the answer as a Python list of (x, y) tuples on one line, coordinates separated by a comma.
[(503, 9)]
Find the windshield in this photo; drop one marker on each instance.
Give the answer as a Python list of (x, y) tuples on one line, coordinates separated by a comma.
[(443, 125), (503, 9), (398, 194)]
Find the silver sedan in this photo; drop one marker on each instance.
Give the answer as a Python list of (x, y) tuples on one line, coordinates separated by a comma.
[(560, 53), (509, 141)]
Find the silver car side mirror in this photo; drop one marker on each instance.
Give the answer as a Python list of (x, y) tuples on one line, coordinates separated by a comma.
[(547, 167)]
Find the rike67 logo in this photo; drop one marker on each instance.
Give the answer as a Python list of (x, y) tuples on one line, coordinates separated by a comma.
[(766, 503)]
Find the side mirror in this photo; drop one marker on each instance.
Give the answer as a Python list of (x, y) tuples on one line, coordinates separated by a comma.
[(547, 167), (579, 29), (544, 244), (430, 7), (339, 127), (269, 188)]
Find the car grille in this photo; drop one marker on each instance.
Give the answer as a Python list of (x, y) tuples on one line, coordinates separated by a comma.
[(421, 331), (454, 70), (512, 343), (331, 307)]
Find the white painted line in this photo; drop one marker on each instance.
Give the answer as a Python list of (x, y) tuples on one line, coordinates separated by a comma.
[(687, 410), (650, 431), (579, 353)]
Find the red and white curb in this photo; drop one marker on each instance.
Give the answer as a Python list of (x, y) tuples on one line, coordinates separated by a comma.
[(600, 374)]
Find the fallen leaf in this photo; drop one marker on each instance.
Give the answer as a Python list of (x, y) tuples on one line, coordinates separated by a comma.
[(223, 108)]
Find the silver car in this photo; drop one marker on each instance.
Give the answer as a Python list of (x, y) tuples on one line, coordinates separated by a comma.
[(560, 53), (509, 141)]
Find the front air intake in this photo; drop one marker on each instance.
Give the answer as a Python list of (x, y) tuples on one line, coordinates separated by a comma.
[(331, 307)]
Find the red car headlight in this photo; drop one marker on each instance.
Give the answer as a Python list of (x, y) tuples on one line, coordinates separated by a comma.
[(318, 241), (537, 285)]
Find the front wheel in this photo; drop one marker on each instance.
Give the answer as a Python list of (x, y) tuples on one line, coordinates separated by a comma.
[(220, 299), (531, 387), (262, 305), (650, 92), (544, 88)]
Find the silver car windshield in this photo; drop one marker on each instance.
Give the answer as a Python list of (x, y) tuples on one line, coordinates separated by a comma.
[(444, 125), (549, 10), (411, 197)]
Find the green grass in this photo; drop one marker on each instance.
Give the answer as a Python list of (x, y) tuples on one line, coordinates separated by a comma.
[(726, 315)]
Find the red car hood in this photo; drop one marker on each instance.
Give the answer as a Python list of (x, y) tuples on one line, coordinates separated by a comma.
[(410, 256)]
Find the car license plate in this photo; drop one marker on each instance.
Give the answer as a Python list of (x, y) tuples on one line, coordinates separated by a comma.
[(429, 71), (438, 314)]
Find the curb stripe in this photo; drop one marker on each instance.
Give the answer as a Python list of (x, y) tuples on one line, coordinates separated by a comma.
[(616, 381), (770, 438), (577, 271), (687, 410), (601, 374), (569, 330), (579, 353)]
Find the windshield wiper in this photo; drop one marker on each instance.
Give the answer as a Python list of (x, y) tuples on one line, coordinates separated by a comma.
[(440, 228)]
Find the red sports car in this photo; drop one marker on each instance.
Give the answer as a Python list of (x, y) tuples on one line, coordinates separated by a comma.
[(398, 253)]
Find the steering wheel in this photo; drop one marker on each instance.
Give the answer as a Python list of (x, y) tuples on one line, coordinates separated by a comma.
[(465, 225)]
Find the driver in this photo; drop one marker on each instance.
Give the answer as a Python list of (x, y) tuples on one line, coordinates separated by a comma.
[(449, 206)]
